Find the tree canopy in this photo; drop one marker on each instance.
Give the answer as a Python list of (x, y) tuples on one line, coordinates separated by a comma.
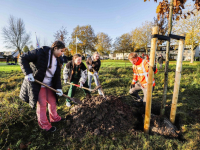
[(103, 45), (88, 38)]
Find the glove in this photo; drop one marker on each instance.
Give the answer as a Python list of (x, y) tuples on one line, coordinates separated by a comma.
[(68, 104), (60, 92), (132, 86), (29, 77), (81, 84), (89, 67)]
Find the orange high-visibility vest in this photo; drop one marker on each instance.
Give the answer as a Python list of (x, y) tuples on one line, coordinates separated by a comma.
[(140, 70)]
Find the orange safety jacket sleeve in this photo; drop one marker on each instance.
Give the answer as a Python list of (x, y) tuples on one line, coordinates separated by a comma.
[(146, 66), (135, 77), (156, 71)]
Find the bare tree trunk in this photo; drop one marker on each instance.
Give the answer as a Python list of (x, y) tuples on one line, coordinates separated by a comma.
[(192, 55), (20, 52), (162, 111)]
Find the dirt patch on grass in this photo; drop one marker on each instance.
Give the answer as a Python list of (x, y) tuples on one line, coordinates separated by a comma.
[(104, 117), (100, 116)]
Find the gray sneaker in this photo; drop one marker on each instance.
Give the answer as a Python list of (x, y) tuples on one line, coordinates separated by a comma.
[(138, 100)]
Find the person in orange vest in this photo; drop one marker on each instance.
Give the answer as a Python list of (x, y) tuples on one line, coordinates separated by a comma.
[(140, 74)]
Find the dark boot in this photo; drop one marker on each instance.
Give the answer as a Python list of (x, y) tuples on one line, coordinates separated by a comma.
[(88, 96)]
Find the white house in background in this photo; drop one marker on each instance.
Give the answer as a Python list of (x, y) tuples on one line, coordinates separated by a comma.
[(122, 56), (11, 53), (162, 50), (111, 56), (105, 56)]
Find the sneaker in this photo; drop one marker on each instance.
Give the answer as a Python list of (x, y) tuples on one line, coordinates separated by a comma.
[(138, 100), (68, 104), (52, 129)]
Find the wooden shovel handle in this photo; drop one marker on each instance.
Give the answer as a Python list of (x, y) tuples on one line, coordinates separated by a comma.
[(51, 88), (79, 86)]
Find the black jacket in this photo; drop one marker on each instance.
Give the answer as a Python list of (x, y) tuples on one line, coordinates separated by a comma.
[(36, 62), (64, 59), (68, 73), (95, 65)]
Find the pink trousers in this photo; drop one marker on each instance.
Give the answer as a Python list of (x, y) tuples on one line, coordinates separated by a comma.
[(46, 96)]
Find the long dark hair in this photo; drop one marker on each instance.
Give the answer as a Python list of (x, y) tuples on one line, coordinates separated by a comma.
[(59, 45), (73, 61)]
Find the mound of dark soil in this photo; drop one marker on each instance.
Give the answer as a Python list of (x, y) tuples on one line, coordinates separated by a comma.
[(100, 116), (103, 117)]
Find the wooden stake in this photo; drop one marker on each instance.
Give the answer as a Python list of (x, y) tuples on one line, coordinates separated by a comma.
[(150, 80), (177, 80)]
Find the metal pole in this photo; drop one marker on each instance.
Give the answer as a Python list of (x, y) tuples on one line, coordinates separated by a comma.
[(76, 44), (177, 80), (150, 80)]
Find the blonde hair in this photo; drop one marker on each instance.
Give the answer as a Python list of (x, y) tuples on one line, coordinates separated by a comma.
[(132, 55), (95, 53)]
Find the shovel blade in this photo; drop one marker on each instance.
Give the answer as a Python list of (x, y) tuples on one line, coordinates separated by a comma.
[(76, 100), (97, 87)]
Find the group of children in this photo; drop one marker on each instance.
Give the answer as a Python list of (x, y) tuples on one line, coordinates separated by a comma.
[(44, 64), (76, 72)]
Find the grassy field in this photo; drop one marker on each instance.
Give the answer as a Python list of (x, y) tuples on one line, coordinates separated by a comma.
[(19, 127), (105, 63)]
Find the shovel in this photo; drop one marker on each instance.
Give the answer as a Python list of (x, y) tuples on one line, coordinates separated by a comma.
[(91, 90), (100, 86), (75, 100)]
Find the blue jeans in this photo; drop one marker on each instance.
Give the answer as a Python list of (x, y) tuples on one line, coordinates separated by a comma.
[(90, 76)]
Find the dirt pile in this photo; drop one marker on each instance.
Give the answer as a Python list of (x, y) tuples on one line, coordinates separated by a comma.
[(100, 116), (103, 117)]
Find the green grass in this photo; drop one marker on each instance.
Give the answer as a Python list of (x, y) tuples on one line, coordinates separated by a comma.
[(5, 67), (18, 123)]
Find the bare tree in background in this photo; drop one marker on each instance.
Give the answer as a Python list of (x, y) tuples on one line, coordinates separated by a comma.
[(15, 35), (61, 35)]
